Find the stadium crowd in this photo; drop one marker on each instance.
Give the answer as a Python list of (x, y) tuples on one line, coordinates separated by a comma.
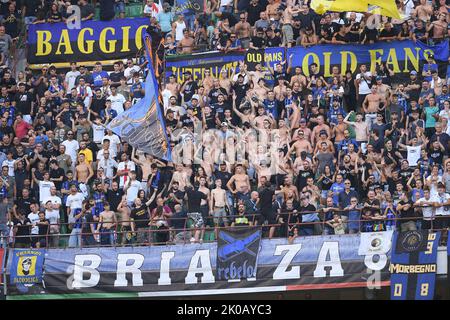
[(351, 152)]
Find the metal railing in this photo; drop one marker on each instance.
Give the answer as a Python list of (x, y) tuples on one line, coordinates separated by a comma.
[(284, 227)]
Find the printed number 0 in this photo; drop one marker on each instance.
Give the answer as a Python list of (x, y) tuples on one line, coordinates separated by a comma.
[(398, 290), (424, 289)]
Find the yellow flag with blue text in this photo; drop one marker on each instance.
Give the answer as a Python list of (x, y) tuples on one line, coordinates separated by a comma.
[(384, 7)]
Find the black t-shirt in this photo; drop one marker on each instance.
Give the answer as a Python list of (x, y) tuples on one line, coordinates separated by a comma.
[(171, 123), (114, 198), (224, 176), (116, 76), (436, 156), (302, 177), (23, 102), (24, 204), (258, 42), (43, 228), (58, 173), (408, 213), (215, 92), (194, 199), (88, 219), (266, 198), (189, 90), (187, 121), (273, 42), (97, 105), (23, 229), (241, 91), (386, 33), (140, 213)]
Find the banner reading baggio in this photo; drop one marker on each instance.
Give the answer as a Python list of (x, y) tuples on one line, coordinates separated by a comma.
[(400, 56), (337, 261), (94, 41)]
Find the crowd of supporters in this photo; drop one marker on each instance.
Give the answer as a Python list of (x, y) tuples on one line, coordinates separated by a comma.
[(309, 155)]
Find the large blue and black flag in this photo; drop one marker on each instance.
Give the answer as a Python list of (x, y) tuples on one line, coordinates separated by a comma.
[(413, 265), (143, 126), (237, 253)]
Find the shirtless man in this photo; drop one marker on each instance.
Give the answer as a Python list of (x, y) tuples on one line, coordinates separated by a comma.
[(243, 30), (181, 177), (382, 89), (283, 134), (371, 106), (173, 86), (240, 180), (423, 11), (289, 187), (286, 21), (324, 137), (146, 166), (258, 121), (318, 128), (272, 9), (106, 225), (224, 81), (306, 131), (83, 171), (261, 90), (298, 77), (124, 219), (280, 89), (439, 27), (338, 130), (246, 115), (207, 81), (300, 145), (361, 128), (186, 44), (256, 75), (217, 204)]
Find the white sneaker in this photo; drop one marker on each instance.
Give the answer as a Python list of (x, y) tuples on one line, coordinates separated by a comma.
[(192, 240)]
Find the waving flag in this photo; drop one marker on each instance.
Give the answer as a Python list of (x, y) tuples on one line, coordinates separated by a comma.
[(385, 7), (143, 126)]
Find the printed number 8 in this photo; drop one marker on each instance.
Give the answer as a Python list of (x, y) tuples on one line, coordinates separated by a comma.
[(398, 290), (424, 289)]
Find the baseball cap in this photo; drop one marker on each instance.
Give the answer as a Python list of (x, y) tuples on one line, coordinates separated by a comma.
[(413, 72), (224, 124), (166, 5), (187, 72), (323, 132), (378, 78), (195, 96), (302, 120)]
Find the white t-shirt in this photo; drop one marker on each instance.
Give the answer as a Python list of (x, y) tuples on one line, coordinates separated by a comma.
[(71, 149), (442, 211), (71, 76), (427, 212), (52, 216), (364, 84), (53, 199), (114, 142), (130, 166), (117, 102), (10, 164), (413, 155), (108, 166), (34, 217), (133, 190), (112, 153), (75, 201), (44, 190), (128, 73), (98, 133)]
